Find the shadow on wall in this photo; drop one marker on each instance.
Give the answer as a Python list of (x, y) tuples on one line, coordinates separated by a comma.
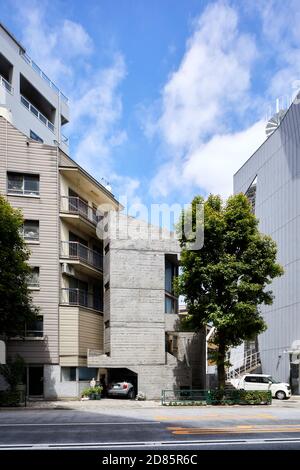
[(190, 371)]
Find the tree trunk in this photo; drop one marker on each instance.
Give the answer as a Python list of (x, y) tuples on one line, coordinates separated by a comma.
[(221, 365)]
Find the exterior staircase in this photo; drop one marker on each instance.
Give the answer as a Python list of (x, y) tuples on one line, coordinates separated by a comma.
[(244, 364)]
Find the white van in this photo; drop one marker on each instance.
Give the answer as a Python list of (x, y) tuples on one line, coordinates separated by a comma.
[(263, 382)]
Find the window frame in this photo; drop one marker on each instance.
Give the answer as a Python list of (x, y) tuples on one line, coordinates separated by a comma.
[(31, 240), (22, 192)]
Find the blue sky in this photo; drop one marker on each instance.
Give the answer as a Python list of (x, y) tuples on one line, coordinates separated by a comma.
[(168, 97)]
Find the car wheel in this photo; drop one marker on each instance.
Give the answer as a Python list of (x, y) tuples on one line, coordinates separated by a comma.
[(280, 395), (131, 394)]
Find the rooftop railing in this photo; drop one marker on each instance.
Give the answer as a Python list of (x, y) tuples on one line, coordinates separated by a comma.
[(37, 113), (80, 298), (80, 252), (6, 85), (39, 71), (76, 205)]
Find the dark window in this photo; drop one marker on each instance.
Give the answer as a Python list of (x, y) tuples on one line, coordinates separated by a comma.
[(171, 301), (68, 374), (87, 373), (106, 285), (107, 324), (34, 136), (23, 184), (34, 277), (36, 328), (106, 249), (252, 379)]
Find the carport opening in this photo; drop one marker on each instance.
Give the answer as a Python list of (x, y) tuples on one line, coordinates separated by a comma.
[(122, 375)]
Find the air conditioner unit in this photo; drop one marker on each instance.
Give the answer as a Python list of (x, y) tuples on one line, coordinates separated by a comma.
[(67, 269)]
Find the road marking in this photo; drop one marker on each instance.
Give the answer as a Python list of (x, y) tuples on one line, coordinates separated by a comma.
[(128, 444), (219, 416), (131, 423), (235, 430)]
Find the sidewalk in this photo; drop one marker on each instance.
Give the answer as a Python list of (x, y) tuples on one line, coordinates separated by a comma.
[(86, 405)]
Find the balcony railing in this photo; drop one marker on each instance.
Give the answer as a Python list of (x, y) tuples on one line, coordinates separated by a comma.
[(6, 85), (37, 113), (80, 252), (76, 205), (39, 71), (80, 298)]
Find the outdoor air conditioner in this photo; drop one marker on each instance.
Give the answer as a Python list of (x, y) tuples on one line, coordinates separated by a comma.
[(67, 269)]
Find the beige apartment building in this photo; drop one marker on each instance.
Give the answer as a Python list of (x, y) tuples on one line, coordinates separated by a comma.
[(107, 306)]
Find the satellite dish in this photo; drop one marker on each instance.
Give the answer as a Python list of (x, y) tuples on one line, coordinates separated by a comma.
[(274, 122)]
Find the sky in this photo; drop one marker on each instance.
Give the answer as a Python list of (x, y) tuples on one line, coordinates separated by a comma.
[(168, 97)]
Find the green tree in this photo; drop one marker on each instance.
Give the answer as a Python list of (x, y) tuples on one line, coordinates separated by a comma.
[(225, 281), (16, 307)]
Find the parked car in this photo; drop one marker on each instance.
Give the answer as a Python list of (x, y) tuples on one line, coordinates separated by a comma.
[(121, 389), (279, 390)]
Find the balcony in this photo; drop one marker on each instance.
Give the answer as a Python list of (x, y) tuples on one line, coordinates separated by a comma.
[(37, 113), (74, 205), (78, 252), (6, 85), (80, 298)]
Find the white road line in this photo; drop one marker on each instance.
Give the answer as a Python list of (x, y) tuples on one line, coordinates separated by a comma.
[(131, 423), (125, 445)]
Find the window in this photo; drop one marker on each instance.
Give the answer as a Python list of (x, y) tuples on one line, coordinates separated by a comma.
[(31, 230), (34, 136), (68, 374), (253, 379), (106, 286), (34, 278), (170, 304), (106, 249), (87, 373), (23, 184), (171, 271), (36, 328), (107, 324)]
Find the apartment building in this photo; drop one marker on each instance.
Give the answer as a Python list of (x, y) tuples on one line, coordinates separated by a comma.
[(107, 307), (38, 108), (270, 178)]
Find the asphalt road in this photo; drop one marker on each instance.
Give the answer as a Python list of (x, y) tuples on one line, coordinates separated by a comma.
[(156, 428)]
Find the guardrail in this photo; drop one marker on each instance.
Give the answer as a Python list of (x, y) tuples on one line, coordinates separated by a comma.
[(37, 113), (6, 85), (80, 252), (76, 205), (80, 298), (39, 71)]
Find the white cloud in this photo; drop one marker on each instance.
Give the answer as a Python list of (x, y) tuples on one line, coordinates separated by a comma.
[(200, 102), (212, 165), (64, 50), (214, 75)]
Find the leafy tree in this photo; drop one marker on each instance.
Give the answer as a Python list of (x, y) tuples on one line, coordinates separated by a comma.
[(16, 307), (225, 281), (13, 372)]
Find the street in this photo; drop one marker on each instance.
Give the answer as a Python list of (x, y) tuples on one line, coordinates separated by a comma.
[(119, 424)]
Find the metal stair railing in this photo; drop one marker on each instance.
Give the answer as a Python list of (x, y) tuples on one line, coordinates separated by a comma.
[(245, 364)]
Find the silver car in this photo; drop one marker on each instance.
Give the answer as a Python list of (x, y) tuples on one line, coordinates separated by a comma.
[(121, 389)]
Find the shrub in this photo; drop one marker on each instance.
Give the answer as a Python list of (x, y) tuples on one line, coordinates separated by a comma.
[(9, 398)]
